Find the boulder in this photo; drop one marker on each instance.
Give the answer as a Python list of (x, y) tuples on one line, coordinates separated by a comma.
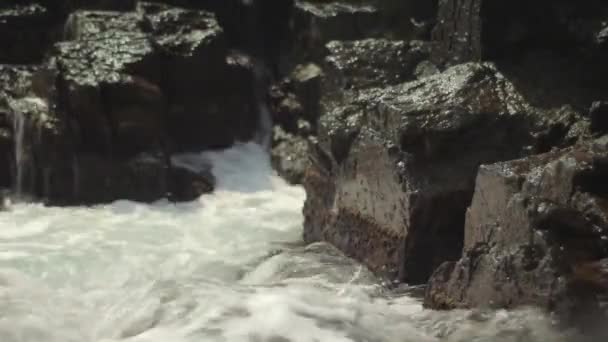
[(536, 233), (393, 169), (599, 117), (289, 156), (211, 94), (109, 84), (317, 23), (354, 65), (98, 121), (27, 30)]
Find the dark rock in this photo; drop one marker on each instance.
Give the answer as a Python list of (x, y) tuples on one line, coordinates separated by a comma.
[(186, 184), (290, 156), (599, 117), (92, 125), (286, 108), (98, 180), (318, 23), (6, 147), (211, 97), (408, 19), (306, 82), (26, 31), (393, 170), (355, 65), (458, 31), (426, 69), (109, 80), (602, 37), (536, 233), (15, 83)]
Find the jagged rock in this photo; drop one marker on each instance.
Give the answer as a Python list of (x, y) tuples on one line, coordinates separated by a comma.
[(140, 178), (426, 69), (211, 96), (409, 19), (15, 82), (458, 31), (354, 65), (535, 234), (393, 170), (602, 37), (99, 115), (26, 31), (290, 156), (318, 23), (110, 81), (6, 146), (599, 117), (186, 184), (306, 82)]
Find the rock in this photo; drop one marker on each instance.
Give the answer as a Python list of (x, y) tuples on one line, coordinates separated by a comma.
[(110, 79), (306, 81), (211, 95), (361, 64), (290, 156), (6, 147), (187, 184), (26, 31), (514, 29), (100, 180), (15, 83), (599, 117), (425, 69), (602, 37), (97, 122), (408, 19), (318, 23), (394, 169), (458, 31), (536, 233)]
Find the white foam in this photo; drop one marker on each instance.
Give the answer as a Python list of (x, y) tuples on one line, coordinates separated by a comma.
[(205, 271)]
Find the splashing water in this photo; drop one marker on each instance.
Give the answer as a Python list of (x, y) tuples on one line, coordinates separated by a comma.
[(227, 267)]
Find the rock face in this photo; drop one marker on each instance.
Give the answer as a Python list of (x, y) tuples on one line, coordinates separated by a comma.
[(394, 169), (100, 117), (535, 233)]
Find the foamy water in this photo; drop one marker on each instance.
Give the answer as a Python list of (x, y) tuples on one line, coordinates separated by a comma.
[(227, 267)]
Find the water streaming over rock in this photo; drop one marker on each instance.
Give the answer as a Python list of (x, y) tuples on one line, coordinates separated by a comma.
[(227, 267), (18, 132)]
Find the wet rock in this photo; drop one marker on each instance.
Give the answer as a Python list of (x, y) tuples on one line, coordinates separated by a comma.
[(211, 95), (393, 170), (26, 31), (458, 31), (15, 83), (109, 80), (99, 180), (354, 65), (599, 117), (186, 184), (306, 82), (426, 69), (290, 156), (6, 144), (602, 37), (318, 23), (535, 234), (409, 19)]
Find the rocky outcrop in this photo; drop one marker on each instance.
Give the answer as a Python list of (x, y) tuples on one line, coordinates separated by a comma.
[(100, 118), (536, 233), (393, 170)]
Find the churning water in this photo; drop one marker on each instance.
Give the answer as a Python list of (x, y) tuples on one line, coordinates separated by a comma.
[(227, 267)]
